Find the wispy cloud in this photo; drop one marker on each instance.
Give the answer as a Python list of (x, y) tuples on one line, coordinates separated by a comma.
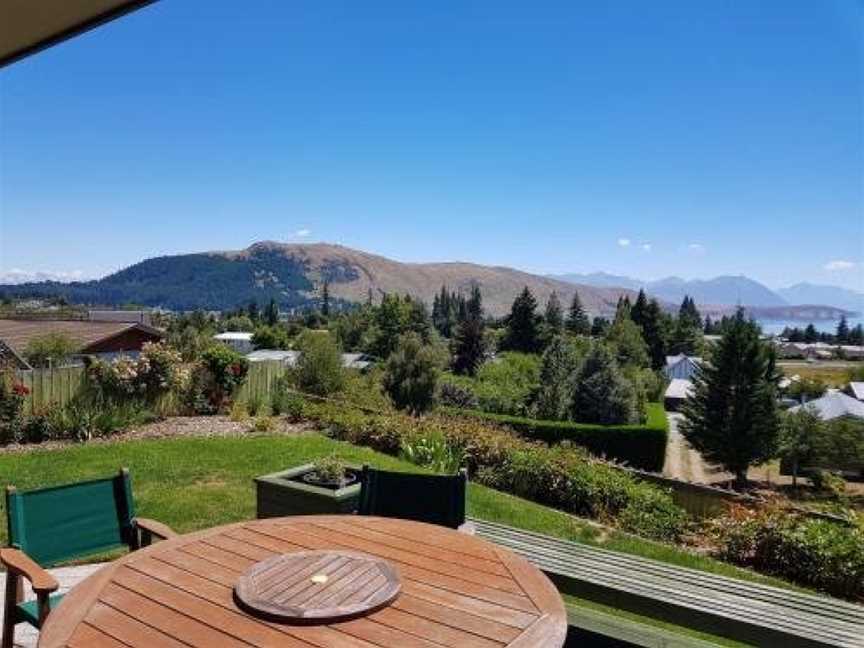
[(303, 232), (839, 265), (696, 248), (647, 247), (624, 242)]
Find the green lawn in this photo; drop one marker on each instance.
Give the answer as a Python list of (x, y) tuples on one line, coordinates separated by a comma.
[(194, 483)]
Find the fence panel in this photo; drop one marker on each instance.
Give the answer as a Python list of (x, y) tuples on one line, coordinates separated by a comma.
[(50, 387)]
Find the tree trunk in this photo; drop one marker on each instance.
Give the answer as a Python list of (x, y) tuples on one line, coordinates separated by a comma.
[(741, 479), (795, 474)]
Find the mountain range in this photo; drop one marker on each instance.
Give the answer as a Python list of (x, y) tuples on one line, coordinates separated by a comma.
[(294, 274), (730, 291)]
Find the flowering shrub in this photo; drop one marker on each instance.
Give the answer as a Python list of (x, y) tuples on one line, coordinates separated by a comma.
[(216, 378), (157, 370), (12, 395)]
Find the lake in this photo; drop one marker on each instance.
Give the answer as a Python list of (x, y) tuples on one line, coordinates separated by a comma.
[(775, 327)]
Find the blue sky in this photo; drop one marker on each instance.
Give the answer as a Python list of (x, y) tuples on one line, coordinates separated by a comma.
[(644, 138)]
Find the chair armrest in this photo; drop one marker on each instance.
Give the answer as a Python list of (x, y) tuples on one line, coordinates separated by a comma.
[(154, 528), (17, 562)]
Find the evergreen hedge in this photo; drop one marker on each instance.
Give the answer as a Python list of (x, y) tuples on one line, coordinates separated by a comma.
[(641, 446)]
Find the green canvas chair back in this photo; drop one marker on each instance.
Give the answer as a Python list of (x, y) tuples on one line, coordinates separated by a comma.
[(63, 522), (436, 499)]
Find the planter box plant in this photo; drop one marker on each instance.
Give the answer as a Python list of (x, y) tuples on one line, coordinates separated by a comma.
[(311, 489)]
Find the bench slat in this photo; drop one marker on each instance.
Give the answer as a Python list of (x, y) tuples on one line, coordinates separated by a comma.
[(814, 620)]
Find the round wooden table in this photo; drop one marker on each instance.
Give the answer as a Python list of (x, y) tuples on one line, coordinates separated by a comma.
[(456, 590)]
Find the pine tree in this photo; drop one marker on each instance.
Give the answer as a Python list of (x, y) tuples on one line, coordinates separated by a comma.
[(599, 326), (811, 334), (626, 341), (325, 299), (687, 334), (577, 320), (623, 308), (556, 370), (522, 333), (639, 310), (271, 313), (732, 417), (469, 344), (411, 375), (554, 316), (600, 393), (655, 333), (252, 311), (843, 330), (856, 335)]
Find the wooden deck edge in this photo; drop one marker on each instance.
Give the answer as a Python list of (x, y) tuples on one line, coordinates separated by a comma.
[(633, 632)]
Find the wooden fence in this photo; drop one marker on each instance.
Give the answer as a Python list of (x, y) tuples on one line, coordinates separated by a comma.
[(52, 388)]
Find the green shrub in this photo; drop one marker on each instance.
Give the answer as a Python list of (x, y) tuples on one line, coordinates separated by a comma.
[(279, 395), (411, 375), (505, 385), (12, 396), (561, 476), (640, 446), (818, 553), (216, 378), (453, 395), (51, 349), (319, 368)]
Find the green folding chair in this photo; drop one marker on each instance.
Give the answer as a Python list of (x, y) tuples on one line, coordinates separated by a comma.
[(53, 525), (435, 499)]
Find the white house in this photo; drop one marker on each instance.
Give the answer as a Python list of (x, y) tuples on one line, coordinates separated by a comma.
[(834, 405), (240, 341)]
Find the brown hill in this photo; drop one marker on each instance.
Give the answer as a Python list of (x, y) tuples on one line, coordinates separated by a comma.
[(352, 273)]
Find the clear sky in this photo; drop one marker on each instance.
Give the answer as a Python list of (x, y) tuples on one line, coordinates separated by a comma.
[(640, 137)]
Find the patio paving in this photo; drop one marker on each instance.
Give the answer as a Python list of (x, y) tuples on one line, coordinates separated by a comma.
[(25, 635)]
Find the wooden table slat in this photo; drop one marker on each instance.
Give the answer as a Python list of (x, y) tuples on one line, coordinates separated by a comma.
[(456, 590)]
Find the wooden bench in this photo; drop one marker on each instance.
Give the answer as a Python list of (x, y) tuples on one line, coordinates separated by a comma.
[(740, 610)]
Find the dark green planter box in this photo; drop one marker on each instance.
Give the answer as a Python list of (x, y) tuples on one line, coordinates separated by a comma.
[(277, 496)]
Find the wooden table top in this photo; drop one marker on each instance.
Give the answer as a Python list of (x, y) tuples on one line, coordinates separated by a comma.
[(457, 590)]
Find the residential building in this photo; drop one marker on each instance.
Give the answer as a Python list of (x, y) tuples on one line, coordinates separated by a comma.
[(240, 341), (681, 366), (834, 405), (106, 340)]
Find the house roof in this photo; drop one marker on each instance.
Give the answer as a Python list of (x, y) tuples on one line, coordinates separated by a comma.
[(679, 388), (234, 335), (27, 26), (261, 355), (9, 359), (857, 389), (18, 333), (834, 404), (675, 359)]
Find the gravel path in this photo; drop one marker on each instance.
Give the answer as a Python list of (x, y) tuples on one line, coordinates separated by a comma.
[(682, 461)]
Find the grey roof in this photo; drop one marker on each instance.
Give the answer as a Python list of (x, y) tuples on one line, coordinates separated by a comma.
[(261, 355), (834, 405), (356, 360), (233, 335), (679, 388), (675, 359), (857, 389)]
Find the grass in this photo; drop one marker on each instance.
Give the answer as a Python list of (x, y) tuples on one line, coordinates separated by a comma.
[(195, 483), (832, 376)]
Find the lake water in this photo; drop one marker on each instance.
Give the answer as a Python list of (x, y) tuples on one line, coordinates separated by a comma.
[(775, 327)]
